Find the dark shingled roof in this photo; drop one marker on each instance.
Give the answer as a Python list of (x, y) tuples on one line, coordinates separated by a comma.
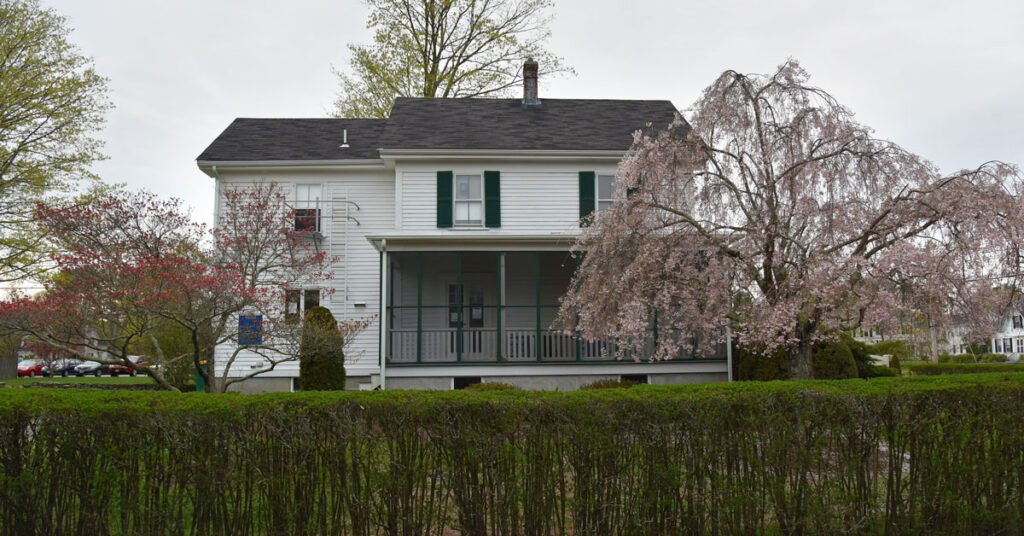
[(500, 124), (296, 139), (556, 124)]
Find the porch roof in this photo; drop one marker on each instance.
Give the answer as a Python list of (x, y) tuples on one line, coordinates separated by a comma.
[(470, 240)]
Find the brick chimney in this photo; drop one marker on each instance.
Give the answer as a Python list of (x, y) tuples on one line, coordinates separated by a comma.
[(530, 83)]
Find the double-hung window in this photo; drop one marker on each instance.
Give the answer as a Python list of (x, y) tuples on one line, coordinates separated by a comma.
[(298, 302), (1018, 322), (307, 207), (469, 201), (596, 193), (605, 189)]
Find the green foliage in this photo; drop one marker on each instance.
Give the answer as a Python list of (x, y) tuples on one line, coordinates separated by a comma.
[(894, 365), (321, 353), (609, 384), (879, 371), (978, 358), (893, 347), (51, 101), (492, 386), (834, 361), (866, 367), (932, 369), (444, 49), (793, 457), (758, 366), (175, 342)]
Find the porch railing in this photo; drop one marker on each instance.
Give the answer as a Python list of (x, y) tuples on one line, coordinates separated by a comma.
[(479, 345)]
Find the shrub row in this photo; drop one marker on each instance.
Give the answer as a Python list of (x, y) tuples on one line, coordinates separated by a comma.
[(913, 455), (934, 369)]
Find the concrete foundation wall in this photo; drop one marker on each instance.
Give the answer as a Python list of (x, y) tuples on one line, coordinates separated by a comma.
[(443, 383), (439, 383)]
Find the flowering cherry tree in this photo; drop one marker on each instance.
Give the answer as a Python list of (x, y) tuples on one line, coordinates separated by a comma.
[(780, 216), (131, 262)]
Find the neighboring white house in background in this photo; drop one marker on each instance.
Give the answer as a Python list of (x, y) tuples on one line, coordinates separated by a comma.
[(457, 215), (1009, 338)]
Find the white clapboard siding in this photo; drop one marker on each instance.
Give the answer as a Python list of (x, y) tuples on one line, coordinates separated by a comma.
[(355, 275), (535, 197)]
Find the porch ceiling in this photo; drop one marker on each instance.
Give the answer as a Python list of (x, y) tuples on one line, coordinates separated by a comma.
[(465, 240)]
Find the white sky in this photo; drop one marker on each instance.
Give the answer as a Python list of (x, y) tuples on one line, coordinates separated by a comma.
[(943, 79)]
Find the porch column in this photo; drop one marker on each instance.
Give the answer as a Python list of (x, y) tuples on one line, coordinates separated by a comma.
[(500, 342), (536, 278), (419, 307), (385, 269)]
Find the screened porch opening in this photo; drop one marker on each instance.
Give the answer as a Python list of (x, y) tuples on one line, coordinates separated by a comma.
[(486, 307)]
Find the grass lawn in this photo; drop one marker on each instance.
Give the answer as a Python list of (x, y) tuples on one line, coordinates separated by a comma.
[(77, 379)]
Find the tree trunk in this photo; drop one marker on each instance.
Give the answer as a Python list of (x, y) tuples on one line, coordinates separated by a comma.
[(933, 338), (801, 361)]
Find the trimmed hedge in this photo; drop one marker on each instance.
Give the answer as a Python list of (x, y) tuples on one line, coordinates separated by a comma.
[(934, 369), (912, 455)]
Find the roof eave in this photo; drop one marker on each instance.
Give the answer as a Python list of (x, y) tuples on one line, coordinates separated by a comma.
[(210, 167), (503, 154)]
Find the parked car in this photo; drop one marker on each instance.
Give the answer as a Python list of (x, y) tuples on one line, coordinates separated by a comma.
[(89, 367), (116, 370), (32, 368), (64, 367)]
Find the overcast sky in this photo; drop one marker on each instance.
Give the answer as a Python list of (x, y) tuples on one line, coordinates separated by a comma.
[(943, 79)]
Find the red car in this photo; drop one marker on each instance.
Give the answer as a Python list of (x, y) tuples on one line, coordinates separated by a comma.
[(32, 368), (115, 370)]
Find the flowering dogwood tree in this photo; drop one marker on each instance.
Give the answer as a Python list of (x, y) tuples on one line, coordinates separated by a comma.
[(780, 216), (131, 261)]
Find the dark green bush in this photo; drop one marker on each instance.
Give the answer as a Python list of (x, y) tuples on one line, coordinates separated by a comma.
[(609, 384), (866, 367), (992, 358), (834, 361), (758, 366), (893, 347), (492, 386), (799, 457), (961, 358), (895, 366), (321, 353), (880, 371)]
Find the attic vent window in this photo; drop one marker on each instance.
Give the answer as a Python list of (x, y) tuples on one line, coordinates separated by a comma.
[(344, 139)]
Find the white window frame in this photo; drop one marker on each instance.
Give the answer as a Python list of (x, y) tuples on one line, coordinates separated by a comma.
[(597, 191), (468, 224), (310, 204)]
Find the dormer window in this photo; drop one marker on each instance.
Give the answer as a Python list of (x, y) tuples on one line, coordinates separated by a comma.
[(469, 200), (1018, 322), (307, 207)]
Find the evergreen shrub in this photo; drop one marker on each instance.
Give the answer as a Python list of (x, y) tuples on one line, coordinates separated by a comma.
[(321, 353), (609, 384)]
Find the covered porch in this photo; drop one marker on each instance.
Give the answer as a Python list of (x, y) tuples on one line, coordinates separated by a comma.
[(479, 307)]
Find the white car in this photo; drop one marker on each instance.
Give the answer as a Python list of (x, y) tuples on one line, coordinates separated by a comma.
[(88, 367)]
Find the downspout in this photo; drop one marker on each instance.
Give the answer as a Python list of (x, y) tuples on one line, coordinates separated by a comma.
[(382, 355), (216, 197)]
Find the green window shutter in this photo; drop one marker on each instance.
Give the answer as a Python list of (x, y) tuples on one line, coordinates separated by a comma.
[(444, 198), (492, 199), (588, 194)]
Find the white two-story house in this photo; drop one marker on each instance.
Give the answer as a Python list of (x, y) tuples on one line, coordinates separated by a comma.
[(453, 220)]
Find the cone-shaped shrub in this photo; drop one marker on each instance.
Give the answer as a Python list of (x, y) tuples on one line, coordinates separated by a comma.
[(321, 355)]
